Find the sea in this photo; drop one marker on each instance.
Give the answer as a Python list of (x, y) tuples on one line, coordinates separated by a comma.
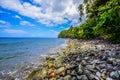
[(18, 56)]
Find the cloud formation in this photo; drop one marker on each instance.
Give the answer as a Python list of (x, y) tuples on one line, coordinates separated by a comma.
[(48, 12), (18, 17), (4, 23), (26, 23)]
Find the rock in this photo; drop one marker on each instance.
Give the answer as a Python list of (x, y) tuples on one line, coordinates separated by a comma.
[(109, 69), (74, 78), (53, 79), (44, 72), (52, 75), (63, 73), (68, 71), (73, 73), (67, 77), (84, 77), (50, 65), (112, 53), (80, 70), (95, 61), (79, 77), (84, 63), (86, 58), (78, 59), (50, 71), (73, 66), (90, 67), (98, 74), (104, 58), (115, 74), (60, 70), (109, 78), (103, 76)]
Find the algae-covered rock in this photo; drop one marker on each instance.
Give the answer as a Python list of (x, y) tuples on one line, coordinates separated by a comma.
[(50, 65), (50, 71), (60, 70), (52, 75), (44, 72), (84, 77), (67, 77), (34, 74), (53, 79)]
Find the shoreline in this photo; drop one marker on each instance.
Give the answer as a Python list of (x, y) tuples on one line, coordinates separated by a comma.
[(81, 60), (19, 71)]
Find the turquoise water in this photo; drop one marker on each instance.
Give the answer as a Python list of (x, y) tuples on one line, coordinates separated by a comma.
[(15, 51)]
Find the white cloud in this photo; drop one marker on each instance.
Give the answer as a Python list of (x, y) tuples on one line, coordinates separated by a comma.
[(18, 17), (12, 31), (50, 12), (26, 23), (4, 23)]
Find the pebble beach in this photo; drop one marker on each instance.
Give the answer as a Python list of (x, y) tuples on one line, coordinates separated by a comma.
[(81, 60)]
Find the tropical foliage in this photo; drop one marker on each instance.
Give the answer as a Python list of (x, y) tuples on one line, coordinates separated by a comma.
[(103, 21)]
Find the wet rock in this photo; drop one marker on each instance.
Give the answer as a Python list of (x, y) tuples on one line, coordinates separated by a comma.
[(60, 70), (115, 74)]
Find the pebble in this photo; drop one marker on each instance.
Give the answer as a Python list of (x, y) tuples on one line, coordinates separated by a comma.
[(115, 74), (91, 61), (84, 77)]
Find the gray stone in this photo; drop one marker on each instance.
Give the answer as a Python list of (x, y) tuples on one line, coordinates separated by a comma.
[(112, 53), (79, 77), (98, 74), (115, 74)]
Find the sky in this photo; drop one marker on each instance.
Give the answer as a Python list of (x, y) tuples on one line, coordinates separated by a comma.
[(37, 18)]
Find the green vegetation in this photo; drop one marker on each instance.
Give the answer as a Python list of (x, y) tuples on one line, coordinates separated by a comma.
[(103, 21)]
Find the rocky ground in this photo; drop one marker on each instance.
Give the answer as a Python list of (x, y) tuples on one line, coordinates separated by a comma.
[(81, 60)]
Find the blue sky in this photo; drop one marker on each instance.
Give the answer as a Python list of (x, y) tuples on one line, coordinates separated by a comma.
[(37, 18)]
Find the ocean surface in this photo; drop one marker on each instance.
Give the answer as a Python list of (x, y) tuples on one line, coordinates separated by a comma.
[(18, 55)]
